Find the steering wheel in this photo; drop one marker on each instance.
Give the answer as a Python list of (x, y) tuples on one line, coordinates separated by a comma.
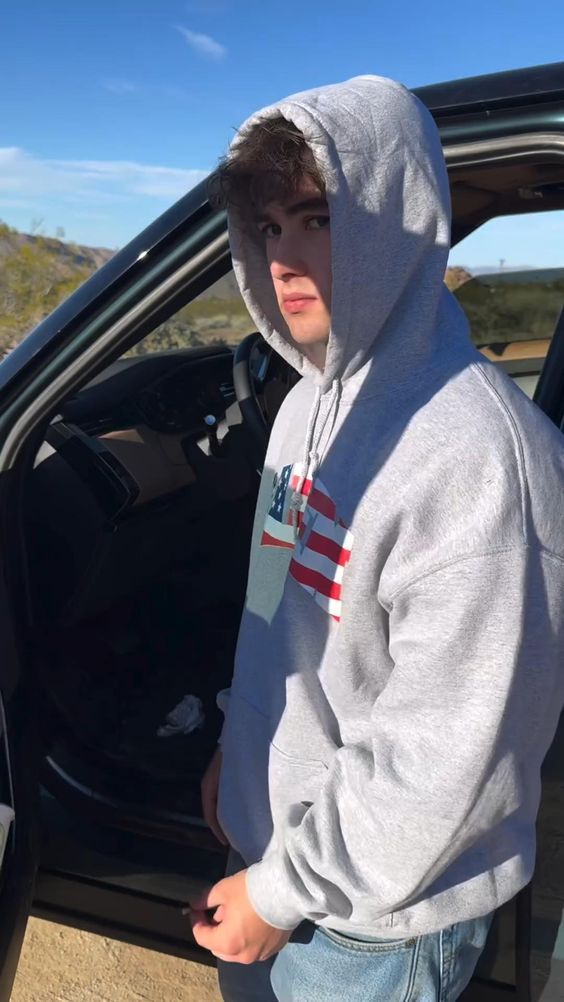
[(260, 388), (248, 385)]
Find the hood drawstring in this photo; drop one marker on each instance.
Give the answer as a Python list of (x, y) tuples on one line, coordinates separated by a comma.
[(296, 500), (311, 459), (333, 411)]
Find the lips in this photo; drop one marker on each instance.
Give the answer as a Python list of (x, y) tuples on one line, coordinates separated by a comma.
[(297, 302)]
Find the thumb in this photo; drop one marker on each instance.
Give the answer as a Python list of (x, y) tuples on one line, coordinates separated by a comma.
[(210, 897), (209, 918)]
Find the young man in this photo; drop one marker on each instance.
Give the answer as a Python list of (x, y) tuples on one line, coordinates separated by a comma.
[(398, 675)]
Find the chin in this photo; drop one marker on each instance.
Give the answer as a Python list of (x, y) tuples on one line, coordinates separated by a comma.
[(311, 338), (313, 347)]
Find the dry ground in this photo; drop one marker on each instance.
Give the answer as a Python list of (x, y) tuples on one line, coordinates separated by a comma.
[(65, 965)]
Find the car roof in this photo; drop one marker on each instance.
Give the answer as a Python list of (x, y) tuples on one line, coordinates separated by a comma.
[(493, 90)]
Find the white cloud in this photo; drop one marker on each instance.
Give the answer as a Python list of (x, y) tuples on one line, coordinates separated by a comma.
[(130, 88), (92, 181), (103, 203), (204, 44)]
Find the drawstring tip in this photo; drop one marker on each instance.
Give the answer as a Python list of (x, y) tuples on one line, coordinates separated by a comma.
[(295, 507), (296, 501)]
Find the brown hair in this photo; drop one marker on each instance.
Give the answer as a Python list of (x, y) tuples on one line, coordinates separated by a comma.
[(266, 165)]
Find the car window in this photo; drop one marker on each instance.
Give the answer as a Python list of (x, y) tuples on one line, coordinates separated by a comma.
[(512, 310), (217, 316)]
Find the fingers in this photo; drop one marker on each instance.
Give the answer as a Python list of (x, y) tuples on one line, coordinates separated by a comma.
[(209, 897), (211, 935), (216, 894), (201, 919), (199, 903), (200, 928)]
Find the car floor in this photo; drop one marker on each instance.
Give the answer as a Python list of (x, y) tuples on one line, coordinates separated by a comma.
[(115, 679)]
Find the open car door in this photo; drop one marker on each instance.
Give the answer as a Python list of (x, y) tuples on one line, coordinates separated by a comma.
[(18, 779)]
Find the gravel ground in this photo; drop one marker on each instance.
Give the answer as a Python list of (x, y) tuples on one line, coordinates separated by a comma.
[(58, 964)]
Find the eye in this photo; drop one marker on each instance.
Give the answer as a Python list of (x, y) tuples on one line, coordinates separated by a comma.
[(270, 230), (317, 222)]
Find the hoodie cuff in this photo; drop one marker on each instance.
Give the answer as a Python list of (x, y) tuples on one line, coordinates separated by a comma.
[(266, 882)]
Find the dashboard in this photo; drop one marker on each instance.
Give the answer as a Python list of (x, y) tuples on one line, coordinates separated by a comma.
[(169, 392)]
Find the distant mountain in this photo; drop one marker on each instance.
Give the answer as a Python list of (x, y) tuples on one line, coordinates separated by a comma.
[(75, 255), (36, 274), (523, 277), (490, 269)]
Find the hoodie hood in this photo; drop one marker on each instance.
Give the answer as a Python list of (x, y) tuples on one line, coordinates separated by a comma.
[(379, 152)]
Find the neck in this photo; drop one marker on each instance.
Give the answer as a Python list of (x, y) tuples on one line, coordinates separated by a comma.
[(317, 354)]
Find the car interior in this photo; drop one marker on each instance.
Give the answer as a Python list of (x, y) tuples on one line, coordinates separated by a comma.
[(483, 191), (138, 516)]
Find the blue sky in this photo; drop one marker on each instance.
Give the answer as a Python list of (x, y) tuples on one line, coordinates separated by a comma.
[(109, 111)]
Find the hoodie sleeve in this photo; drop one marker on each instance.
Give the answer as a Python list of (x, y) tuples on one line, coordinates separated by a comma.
[(474, 694)]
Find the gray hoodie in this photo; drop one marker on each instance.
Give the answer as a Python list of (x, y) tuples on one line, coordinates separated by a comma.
[(398, 676)]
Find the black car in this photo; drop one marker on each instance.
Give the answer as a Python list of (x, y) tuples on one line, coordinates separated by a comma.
[(133, 423)]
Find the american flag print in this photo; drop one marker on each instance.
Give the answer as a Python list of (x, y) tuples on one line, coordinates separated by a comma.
[(279, 527), (321, 542)]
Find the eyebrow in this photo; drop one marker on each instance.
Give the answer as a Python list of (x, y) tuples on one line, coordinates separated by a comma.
[(305, 204)]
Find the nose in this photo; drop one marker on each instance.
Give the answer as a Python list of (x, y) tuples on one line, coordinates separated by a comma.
[(285, 263)]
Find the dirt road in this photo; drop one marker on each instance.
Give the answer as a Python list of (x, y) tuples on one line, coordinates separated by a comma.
[(65, 965)]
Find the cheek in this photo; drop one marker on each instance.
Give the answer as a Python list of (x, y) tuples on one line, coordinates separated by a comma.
[(324, 270), (274, 267)]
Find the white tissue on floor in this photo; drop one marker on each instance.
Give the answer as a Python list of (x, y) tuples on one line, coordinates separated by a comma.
[(184, 718)]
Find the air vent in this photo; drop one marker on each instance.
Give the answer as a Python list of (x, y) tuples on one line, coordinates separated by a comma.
[(227, 391)]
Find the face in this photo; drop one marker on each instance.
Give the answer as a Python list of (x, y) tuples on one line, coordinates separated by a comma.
[(298, 251)]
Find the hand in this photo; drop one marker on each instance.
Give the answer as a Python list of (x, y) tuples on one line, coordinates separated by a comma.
[(236, 932), (209, 787)]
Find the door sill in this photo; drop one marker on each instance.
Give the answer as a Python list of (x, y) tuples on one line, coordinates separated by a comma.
[(79, 795)]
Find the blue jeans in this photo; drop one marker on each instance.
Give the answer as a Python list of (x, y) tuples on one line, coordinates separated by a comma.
[(319, 965)]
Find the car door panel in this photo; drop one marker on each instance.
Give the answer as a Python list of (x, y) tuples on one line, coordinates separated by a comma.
[(19, 756), (119, 883), (142, 920)]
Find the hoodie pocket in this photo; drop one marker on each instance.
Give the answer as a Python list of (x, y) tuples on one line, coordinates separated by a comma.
[(261, 787), (294, 784)]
